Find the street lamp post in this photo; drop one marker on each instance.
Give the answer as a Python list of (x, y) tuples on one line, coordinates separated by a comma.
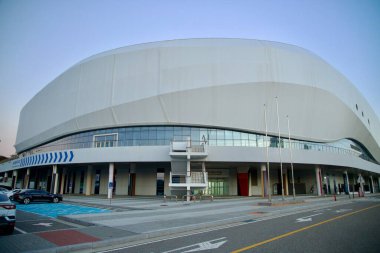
[(291, 159), (267, 153), (279, 149)]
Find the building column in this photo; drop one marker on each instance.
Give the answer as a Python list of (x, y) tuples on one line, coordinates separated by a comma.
[(318, 178), (110, 179), (286, 182), (361, 181), (14, 179), (88, 180), (373, 187), (26, 179), (347, 182), (54, 179), (6, 176), (63, 175)]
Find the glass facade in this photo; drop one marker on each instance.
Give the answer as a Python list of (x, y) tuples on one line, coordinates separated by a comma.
[(163, 135)]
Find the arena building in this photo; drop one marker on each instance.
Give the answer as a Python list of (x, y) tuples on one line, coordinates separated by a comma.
[(198, 116)]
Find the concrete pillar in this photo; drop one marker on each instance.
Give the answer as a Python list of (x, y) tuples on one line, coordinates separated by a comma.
[(347, 182), (14, 179), (286, 182), (26, 179), (89, 175), (318, 177), (63, 175), (56, 177), (373, 187), (360, 178), (110, 179)]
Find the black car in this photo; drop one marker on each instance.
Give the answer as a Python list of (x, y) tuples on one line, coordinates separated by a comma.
[(26, 196)]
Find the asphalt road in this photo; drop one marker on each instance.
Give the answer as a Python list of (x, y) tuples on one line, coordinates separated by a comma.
[(31, 223), (353, 227)]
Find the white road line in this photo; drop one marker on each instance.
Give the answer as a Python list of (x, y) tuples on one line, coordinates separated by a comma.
[(311, 216), (21, 231), (208, 245)]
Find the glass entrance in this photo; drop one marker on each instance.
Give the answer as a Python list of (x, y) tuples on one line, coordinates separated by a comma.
[(217, 187)]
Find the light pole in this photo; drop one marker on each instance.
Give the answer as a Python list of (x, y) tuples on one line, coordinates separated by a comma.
[(279, 149), (291, 158), (267, 151)]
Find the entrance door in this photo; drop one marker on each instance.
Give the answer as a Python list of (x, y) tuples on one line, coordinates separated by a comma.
[(132, 184), (160, 188), (217, 187), (243, 184)]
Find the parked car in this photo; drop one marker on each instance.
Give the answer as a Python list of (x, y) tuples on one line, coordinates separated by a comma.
[(4, 191), (7, 214), (12, 192), (26, 196)]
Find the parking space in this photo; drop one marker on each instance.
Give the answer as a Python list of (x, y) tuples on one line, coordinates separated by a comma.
[(41, 217), (54, 210)]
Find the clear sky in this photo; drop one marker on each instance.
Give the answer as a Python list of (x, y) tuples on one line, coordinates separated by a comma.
[(40, 39)]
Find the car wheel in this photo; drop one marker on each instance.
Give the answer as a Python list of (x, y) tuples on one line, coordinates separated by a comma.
[(55, 200), (26, 201)]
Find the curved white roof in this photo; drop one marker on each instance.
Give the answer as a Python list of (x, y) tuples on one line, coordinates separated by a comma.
[(204, 82)]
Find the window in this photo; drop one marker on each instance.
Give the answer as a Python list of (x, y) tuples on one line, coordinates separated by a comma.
[(105, 140)]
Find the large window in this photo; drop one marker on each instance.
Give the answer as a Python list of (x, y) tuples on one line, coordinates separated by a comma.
[(163, 135)]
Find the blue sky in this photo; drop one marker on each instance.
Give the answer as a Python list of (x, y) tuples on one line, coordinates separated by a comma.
[(41, 39)]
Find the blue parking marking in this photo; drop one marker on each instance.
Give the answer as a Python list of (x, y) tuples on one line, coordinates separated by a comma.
[(59, 209)]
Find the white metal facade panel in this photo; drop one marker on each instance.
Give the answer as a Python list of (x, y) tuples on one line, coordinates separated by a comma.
[(208, 82)]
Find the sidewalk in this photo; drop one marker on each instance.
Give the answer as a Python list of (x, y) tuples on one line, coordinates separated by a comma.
[(138, 218)]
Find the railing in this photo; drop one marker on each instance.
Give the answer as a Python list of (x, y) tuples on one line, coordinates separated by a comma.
[(187, 146), (195, 178)]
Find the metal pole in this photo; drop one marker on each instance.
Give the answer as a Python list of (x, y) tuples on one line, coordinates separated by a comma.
[(279, 149), (291, 158), (267, 151)]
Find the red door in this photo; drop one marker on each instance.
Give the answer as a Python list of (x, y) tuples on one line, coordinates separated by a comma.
[(243, 184)]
